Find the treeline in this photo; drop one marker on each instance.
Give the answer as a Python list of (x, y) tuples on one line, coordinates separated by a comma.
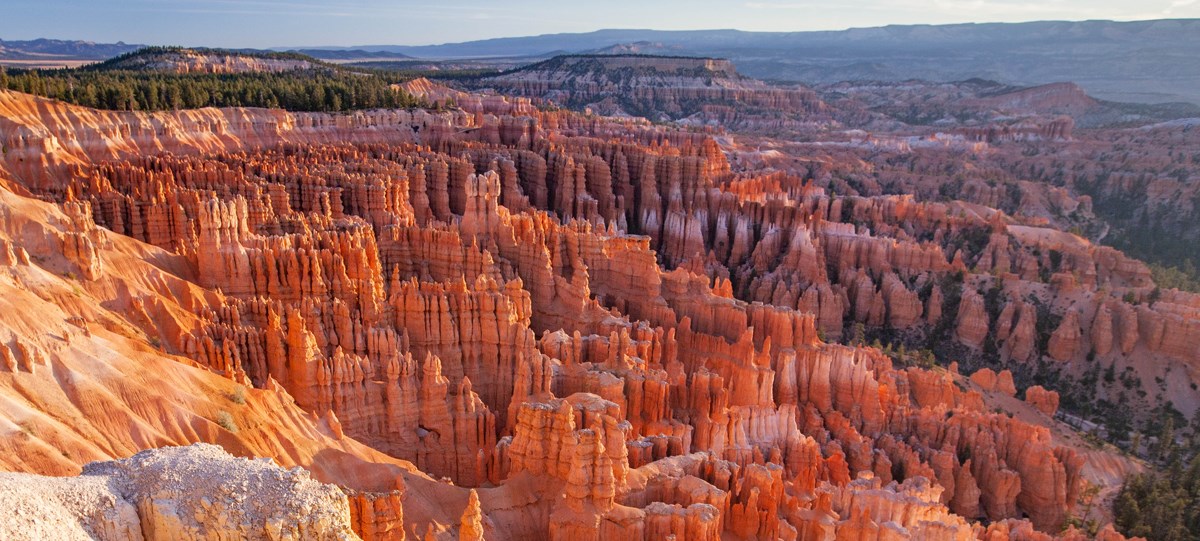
[(1184, 277), (1170, 251), (407, 70), (1161, 506), (303, 90)]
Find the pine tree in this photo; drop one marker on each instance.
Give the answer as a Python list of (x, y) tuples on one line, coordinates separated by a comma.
[(1166, 439), (294, 91)]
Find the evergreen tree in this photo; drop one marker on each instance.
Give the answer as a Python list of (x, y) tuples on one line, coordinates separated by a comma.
[(312, 90), (1166, 439)]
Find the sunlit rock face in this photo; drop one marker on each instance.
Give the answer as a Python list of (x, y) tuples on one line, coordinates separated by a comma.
[(509, 323)]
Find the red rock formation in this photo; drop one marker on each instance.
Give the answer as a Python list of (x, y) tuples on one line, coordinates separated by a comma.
[(471, 526), (991, 381), (1045, 401), (972, 326), (1102, 331), (377, 515), (1065, 341), (597, 324)]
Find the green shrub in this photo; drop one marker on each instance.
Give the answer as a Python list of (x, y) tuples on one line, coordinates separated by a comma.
[(225, 419), (239, 395)]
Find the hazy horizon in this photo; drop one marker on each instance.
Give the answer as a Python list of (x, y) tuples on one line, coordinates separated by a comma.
[(347, 23)]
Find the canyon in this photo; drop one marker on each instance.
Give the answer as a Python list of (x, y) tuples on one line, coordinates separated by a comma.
[(502, 320)]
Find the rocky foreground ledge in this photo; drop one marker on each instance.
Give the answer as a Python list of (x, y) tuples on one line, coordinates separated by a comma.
[(174, 493)]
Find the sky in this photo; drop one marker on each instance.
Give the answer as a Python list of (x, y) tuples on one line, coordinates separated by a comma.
[(294, 23)]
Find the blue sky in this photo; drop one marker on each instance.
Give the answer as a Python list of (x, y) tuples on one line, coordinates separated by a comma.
[(274, 23)]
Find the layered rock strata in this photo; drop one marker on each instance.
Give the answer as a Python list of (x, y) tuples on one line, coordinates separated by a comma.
[(578, 328)]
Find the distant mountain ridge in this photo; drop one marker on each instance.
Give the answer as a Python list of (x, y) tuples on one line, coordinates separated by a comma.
[(349, 54), (1141, 61), (40, 49)]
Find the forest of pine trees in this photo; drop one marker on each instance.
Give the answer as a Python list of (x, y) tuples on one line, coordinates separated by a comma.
[(303, 90), (1163, 504)]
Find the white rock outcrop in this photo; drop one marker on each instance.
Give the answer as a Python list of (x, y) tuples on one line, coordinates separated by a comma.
[(174, 493)]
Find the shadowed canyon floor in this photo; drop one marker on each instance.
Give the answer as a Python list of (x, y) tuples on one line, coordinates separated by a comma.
[(503, 322)]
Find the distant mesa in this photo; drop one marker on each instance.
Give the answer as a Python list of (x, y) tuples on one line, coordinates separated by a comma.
[(350, 55), (659, 88), (185, 60), (641, 47), (682, 66), (1057, 98)]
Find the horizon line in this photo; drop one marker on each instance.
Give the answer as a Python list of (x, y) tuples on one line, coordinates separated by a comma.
[(366, 46)]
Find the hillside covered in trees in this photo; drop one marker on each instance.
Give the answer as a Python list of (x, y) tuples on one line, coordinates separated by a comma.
[(131, 83)]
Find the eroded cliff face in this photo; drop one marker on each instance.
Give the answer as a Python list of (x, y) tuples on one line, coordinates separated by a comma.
[(701, 91), (583, 328)]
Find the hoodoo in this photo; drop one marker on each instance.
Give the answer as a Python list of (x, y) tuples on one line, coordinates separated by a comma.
[(589, 296)]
